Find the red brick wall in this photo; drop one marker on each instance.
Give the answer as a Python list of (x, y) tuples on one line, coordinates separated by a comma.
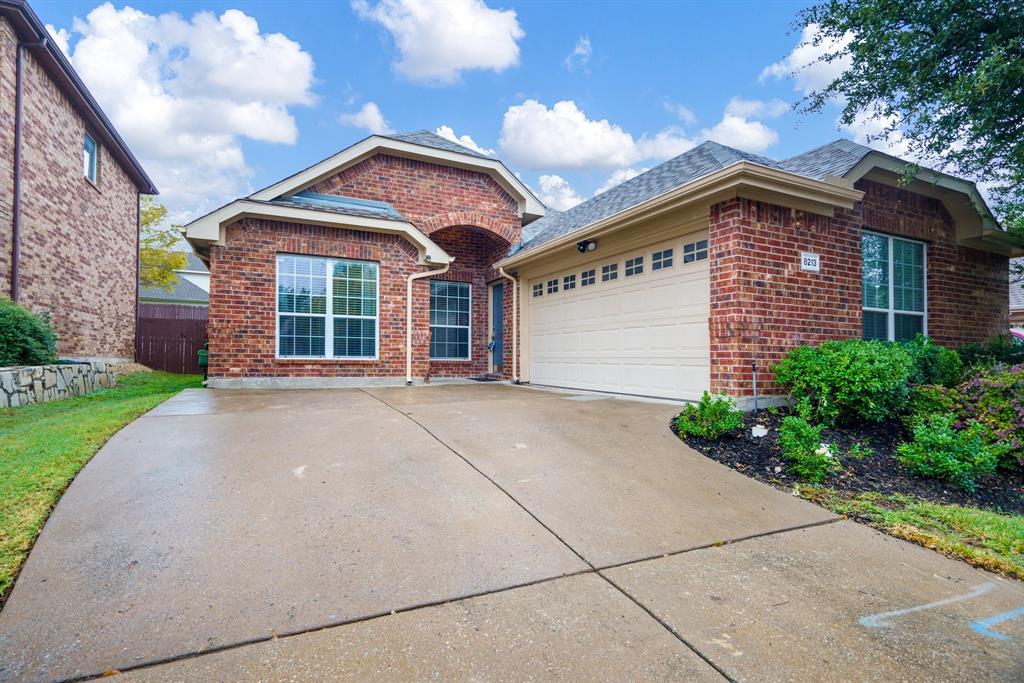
[(762, 304), (242, 325), (78, 240)]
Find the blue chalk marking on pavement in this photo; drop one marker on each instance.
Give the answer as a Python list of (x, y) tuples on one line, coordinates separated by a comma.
[(883, 619), (984, 626)]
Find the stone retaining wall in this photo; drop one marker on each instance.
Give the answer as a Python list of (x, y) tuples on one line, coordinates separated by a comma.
[(41, 383)]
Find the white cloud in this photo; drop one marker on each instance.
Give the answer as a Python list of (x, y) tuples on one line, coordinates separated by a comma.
[(369, 117), (563, 137), (684, 113), (741, 133), (438, 40), (557, 193), (62, 37), (579, 58), (864, 130), (805, 64), (183, 93), (738, 106), (448, 133), (618, 177)]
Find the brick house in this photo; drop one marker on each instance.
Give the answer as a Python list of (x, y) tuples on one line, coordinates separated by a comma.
[(408, 256), (1016, 300), (69, 196)]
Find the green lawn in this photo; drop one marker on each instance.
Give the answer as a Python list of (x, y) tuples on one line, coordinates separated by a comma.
[(43, 446), (985, 539)]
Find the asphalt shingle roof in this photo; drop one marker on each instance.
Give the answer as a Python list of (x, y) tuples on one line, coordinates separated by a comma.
[(348, 206), (195, 263), (183, 291), (696, 163), (834, 159), (428, 139)]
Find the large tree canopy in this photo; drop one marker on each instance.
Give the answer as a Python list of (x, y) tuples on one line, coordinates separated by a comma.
[(946, 75)]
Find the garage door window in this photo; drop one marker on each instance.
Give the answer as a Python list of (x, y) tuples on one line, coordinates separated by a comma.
[(634, 266), (588, 277), (695, 251), (552, 286), (326, 300), (538, 289), (610, 272), (661, 259), (569, 282), (449, 320), (892, 287)]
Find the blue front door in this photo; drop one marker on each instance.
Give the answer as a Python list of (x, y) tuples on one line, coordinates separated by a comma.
[(497, 325)]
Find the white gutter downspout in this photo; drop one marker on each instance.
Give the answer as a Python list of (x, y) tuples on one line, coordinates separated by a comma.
[(515, 324), (408, 317)]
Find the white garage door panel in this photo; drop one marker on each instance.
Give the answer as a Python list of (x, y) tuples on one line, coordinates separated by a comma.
[(644, 335)]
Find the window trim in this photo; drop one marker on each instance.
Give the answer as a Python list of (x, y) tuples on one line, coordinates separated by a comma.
[(95, 165), (468, 327), (891, 311), (328, 313)]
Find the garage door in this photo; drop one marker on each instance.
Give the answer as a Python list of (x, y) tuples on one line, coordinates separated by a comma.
[(640, 332)]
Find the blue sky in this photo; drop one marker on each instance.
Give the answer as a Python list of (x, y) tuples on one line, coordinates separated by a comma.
[(217, 104)]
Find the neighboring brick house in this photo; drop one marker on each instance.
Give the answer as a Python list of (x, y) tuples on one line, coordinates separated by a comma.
[(1017, 297), (672, 283), (69, 190)]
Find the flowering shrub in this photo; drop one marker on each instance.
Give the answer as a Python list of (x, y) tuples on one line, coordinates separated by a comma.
[(994, 398)]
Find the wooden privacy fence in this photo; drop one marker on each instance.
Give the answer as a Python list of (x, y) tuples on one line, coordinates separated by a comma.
[(169, 337)]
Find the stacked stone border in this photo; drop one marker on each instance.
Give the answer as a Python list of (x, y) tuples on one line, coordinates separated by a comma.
[(43, 383)]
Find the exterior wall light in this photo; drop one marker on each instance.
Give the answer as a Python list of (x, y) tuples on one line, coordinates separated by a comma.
[(586, 245)]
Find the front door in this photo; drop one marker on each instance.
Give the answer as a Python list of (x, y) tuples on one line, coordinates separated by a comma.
[(497, 326)]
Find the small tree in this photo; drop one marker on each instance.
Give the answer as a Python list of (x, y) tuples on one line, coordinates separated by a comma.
[(157, 257)]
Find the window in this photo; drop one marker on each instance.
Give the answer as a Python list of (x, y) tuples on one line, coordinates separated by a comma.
[(661, 259), (610, 272), (90, 152), (634, 266), (449, 320), (587, 278), (307, 289), (569, 281), (538, 289), (892, 287), (695, 251), (552, 286)]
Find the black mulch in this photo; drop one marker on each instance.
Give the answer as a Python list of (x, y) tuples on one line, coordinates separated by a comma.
[(880, 471)]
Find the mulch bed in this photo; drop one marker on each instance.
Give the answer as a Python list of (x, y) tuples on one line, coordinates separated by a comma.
[(762, 459)]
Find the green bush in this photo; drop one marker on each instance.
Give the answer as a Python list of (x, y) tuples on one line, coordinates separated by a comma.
[(801, 445), (848, 380), (933, 364), (957, 455), (1001, 350), (931, 399), (994, 398), (712, 417), (25, 338)]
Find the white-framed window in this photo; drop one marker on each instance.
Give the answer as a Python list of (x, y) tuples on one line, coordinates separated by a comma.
[(588, 277), (450, 306), (552, 286), (661, 259), (569, 282), (90, 157), (695, 251), (610, 272), (538, 289), (893, 287), (634, 266), (327, 308)]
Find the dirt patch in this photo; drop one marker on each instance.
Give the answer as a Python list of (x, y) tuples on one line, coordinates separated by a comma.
[(879, 470), (122, 369)]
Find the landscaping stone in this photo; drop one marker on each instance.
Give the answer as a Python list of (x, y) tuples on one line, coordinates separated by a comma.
[(42, 383)]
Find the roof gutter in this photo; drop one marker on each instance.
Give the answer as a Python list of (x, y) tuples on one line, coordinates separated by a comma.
[(19, 88), (744, 178)]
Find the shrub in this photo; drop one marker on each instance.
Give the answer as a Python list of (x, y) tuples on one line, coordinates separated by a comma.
[(994, 398), (25, 338), (931, 399), (712, 417), (801, 445), (848, 380), (940, 450), (933, 364), (1001, 350)]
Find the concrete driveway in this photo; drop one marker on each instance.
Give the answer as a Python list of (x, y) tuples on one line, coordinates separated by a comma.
[(472, 532)]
